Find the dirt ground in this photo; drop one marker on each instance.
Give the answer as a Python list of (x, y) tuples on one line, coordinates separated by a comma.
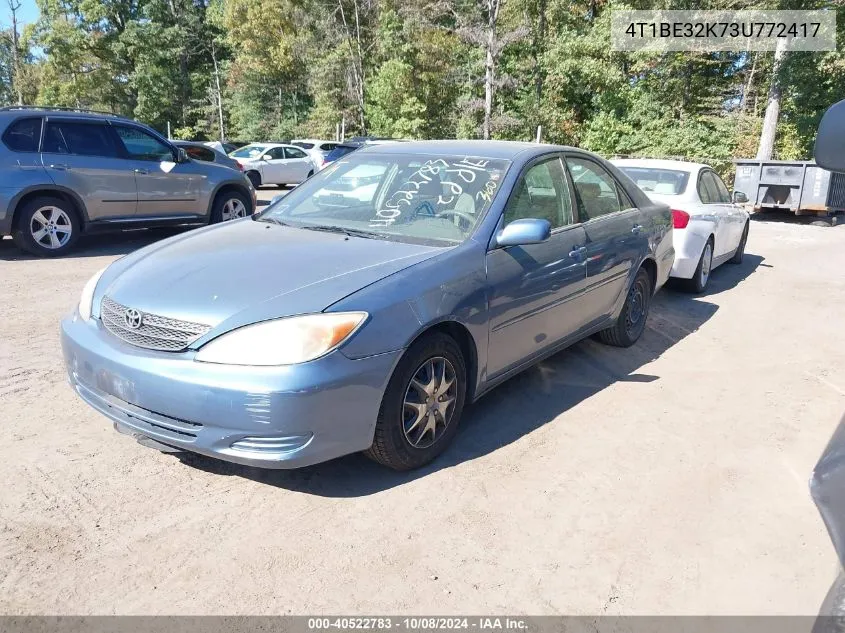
[(667, 478)]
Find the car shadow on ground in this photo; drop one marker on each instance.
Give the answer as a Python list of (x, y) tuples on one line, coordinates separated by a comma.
[(98, 245), (516, 408), (725, 277)]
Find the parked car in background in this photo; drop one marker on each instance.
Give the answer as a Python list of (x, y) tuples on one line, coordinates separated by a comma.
[(67, 172), (208, 154), (350, 145), (316, 148), (226, 148), (274, 163), (710, 229), (375, 320)]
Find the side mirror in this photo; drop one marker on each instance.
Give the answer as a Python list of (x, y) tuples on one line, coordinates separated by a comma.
[(266, 157), (181, 155), (740, 197), (524, 232), (830, 140)]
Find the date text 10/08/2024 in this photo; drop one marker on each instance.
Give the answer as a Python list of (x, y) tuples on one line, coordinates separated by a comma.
[(418, 623)]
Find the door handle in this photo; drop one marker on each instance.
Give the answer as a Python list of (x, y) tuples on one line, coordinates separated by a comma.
[(577, 252), (637, 228), (141, 171), (60, 167)]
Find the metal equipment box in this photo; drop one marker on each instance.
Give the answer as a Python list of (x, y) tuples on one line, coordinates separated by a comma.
[(798, 186)]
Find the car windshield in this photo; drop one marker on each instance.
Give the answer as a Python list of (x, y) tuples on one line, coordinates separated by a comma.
[(303, 144), (250, 151), (424, 199), (668, 182)]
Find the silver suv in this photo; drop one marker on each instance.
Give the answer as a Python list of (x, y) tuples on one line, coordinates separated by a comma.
[(67, 172)]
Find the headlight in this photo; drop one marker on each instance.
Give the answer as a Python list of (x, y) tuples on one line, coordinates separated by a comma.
[(87, 297), (283, 341)]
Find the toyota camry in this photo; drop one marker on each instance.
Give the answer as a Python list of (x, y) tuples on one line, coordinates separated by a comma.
[(352, 316)]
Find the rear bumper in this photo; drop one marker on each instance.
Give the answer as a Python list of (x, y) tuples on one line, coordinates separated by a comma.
[(271, 417), (689, 244)]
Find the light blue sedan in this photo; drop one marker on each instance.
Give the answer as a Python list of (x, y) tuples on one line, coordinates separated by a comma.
[(363, 313)]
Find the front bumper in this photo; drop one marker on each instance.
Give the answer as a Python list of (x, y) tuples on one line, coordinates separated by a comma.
[(271, 417)]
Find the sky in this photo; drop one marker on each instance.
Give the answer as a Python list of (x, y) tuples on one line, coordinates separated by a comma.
[(27, 14)]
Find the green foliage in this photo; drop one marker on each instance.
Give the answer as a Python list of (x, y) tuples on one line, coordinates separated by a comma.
[(274, 69)]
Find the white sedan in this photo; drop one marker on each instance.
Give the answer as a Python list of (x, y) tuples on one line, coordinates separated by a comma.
[(710, 227), (274, 163)]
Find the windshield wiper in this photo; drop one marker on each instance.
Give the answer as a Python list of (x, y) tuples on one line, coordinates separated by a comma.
[(273, 220), (342, 229)]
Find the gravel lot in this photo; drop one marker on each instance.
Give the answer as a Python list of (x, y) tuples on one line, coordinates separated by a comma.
[(667, 478)]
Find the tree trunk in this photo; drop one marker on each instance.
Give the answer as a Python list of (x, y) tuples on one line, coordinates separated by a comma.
[(489, 67), (743, 106), (219, 94), (357, 65), (770, 121), (541, 38), (16, 61), (184, 76)]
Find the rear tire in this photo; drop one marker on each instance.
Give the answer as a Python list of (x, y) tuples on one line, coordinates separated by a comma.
[(46, 227), (740, 250), (701, 277), (632, 320), (406, 408)]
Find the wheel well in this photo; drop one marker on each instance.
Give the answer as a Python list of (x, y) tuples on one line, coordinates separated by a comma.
[(55, 193), (467, 344), (253, 171), (651, 268), (227, 189)]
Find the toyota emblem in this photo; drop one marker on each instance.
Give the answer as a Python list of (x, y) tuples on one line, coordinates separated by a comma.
[(133, 318)]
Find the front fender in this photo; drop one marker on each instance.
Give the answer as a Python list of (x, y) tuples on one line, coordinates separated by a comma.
[(449, 287)]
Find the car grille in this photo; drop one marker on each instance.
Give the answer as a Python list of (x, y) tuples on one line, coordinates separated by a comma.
[(155, 332)]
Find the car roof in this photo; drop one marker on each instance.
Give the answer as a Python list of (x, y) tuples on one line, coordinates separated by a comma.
[(487, 149), (312, 140), (659, 163), (30, 111)]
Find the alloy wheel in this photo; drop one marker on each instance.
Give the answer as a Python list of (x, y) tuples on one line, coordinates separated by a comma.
[(429, 402), (51, 227), (232, 209)]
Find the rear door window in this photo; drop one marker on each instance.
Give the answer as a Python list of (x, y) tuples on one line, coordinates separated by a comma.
[(79, 138), (23, 135), (724, 195), (293, 152), (707, 189)]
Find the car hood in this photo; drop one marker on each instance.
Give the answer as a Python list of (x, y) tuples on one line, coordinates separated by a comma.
[(247, 271)]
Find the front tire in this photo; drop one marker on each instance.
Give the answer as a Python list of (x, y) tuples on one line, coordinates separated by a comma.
[(47, 227), (631, 322), (422, 404), (230, 205)]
